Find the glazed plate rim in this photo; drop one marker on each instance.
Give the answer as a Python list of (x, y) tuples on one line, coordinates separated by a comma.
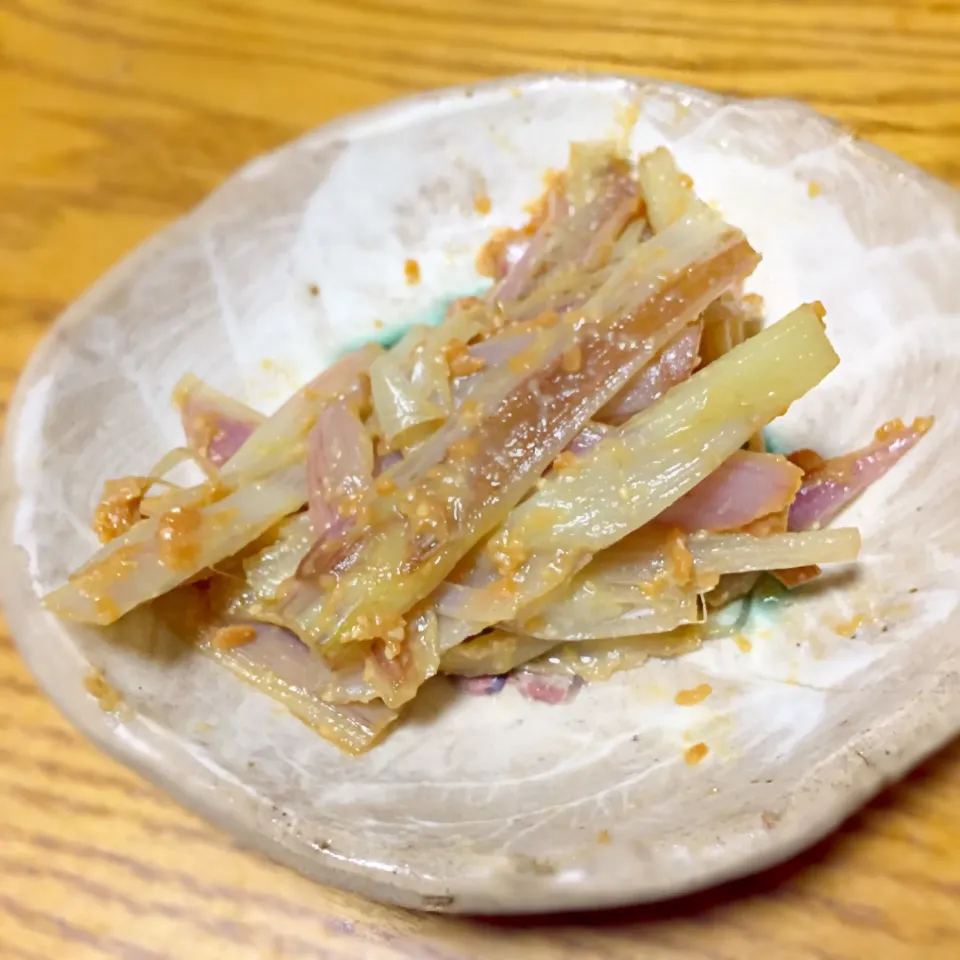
[(162, 757)]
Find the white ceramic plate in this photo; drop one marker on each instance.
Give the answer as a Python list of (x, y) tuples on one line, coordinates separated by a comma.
[(498, 804)]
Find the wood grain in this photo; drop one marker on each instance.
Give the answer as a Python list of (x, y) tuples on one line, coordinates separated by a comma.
[(120, 114)]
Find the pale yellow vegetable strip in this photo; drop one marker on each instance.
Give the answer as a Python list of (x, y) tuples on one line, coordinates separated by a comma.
[(125, 574), (742, 552), (274, 564), (667, 194), (635, 472), (600, 659), (493, 653), (410, 383), (265, 575), (353, 727), (499, 652), (469, 603), (626, 590), (641, 558), (618, 595), (588, 613)]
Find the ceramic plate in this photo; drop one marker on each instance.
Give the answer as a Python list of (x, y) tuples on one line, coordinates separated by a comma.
[(498, 804)]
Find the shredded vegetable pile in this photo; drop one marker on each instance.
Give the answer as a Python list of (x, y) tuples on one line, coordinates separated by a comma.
[(563, 478)]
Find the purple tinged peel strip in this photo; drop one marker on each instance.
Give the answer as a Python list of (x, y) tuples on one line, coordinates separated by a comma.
[(674, 365), (829, 489), (215, 425)]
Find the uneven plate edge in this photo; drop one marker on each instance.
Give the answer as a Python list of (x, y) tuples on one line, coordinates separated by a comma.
[(150, 750)]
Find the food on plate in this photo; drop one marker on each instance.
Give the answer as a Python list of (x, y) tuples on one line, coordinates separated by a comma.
[(564, 477)]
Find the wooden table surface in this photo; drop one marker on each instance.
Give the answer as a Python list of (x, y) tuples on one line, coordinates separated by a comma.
[(117, 115)]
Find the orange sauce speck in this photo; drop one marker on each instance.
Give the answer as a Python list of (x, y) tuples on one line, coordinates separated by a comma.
[(411, 270), (377, 324), (178, 537), (96, 582), (693, 755), (96, 684), (603, 837), (203, 429), (481, 204), (235, 636), (849, 627), (507, 557), (382, 446), (772, 522), (814, 189), (459, 360), (888, 429), (689, 698), (492, 260), (465, 365), (892, 427), (119, 507), (564, 460), (743, 644), (807, 460), (385, 485)]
